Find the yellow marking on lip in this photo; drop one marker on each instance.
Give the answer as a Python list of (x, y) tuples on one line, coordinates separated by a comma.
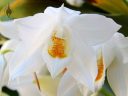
[(100, 65), (58, 47)]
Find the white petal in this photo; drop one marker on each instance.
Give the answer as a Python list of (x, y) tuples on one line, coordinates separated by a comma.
[(83, 66), (117, 77), (5, 76), (68, 86), (2, 67), (25, 50), (9, 29), (25, 61), (19, 81), (35, 28), (62, 9), (122, 42), (10, 45), (25, 86), (92, 28), (61, 14), (29, 90), (85, 91), (108, 53), (29, 46), (32, 64), (108, 48)]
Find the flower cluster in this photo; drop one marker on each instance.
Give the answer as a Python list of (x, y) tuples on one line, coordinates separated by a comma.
[(78, 50)]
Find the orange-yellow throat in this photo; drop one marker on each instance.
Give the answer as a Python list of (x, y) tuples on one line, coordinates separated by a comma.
[(58, 47), (100, 65)]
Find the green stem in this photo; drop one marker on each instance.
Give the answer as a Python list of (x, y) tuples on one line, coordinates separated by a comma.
[(106, 92)]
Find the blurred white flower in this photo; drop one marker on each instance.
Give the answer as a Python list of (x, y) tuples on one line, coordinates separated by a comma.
[(15, 43), (112, 56), (115, 53), (76, 3), (60, 38), (26, 85)]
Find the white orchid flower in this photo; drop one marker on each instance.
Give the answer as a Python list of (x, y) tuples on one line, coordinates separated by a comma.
[(112, 57), (5, 53), (24, 85), (115, 54), (61, 38)]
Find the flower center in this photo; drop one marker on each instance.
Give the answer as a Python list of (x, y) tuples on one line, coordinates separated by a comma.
[(100, 65), (58, 47)]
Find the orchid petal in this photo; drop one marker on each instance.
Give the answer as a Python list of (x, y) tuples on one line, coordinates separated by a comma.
[(2, 67), (85, 91), (9, 45), (83, 66), (29, 90), (122, 43), (119, 66), (25, 86), (108, 53), (61, 14), (117, 77), (26, 49), (23, 63), (38, 24), (60, 10), (68, 86), (8, 29), (92, 28)]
